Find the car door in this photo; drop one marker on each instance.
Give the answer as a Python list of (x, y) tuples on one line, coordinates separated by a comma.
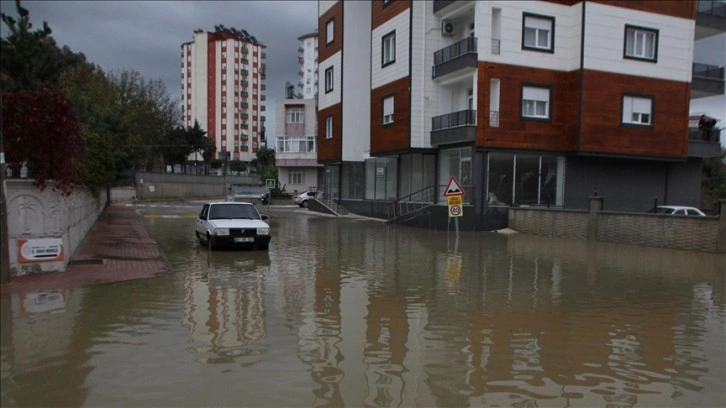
[(201, 227)]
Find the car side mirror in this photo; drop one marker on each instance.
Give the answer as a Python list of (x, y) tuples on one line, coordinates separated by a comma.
[(264, 216)]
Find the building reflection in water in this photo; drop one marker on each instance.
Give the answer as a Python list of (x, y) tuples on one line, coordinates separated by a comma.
[(503, 320)]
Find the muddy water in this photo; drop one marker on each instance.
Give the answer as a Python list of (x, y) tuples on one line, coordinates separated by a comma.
[(358, 313)]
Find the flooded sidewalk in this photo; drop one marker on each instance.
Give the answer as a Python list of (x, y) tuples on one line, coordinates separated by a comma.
[(117, 248)]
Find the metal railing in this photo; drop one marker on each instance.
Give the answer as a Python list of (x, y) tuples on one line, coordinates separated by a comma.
[(454, 119), (705, 135), (414, 202), (457, 49)]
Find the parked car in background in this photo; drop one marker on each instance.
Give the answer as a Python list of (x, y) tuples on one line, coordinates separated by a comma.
[(302, 198), (677, 210), (232, 225)]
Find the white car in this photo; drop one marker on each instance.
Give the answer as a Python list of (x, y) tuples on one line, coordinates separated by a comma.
[(232, 225), (677, 210)]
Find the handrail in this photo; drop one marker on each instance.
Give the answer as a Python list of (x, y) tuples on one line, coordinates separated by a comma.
[(454, 119), (414, 201)]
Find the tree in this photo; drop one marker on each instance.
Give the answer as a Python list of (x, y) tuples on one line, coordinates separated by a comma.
[(41, 129)]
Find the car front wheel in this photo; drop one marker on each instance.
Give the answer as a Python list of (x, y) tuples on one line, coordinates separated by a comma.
[(304, 204)]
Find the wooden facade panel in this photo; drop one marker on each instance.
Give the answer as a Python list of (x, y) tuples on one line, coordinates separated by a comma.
[(513, 132), (381, 13), (678, 8), (396, 136), (330, 150), (603, 131), (325, 50)]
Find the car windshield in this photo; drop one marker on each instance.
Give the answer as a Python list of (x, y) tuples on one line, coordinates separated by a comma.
[(233, 211), (662, 210)]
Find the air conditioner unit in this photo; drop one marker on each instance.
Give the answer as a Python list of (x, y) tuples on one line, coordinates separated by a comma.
[(447, 28)]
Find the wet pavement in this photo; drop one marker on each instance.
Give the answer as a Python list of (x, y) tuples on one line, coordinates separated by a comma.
[(117, 248)]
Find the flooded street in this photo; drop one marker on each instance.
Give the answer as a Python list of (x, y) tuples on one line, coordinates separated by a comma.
[(354, 312)]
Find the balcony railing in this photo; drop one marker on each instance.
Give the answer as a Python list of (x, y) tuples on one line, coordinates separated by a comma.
[(717, 8), (455, 50), (454, 119), (704, 135), (708, 71)]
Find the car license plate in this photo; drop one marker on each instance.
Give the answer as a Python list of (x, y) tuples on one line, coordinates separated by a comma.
[(243, 239)]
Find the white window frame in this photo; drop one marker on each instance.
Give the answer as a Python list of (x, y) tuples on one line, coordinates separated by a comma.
[(637, 110), (536, 102), (539, 28), (295, 115), (329, 127), (640, 43), (329, 31), (388, 48), (388, 110), (329, 79), (296, 176)]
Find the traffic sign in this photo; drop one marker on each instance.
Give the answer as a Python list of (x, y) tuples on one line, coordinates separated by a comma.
[(456, 211), (453, 188), (270, 183)]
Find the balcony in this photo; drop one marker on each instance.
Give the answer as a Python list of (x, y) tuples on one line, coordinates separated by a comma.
[(708, 80), (442, 4), (710, 18), (704, 144), (455, 57), (455, 127)]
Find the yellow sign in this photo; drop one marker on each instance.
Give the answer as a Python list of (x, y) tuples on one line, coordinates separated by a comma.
[(456, 206), (454, 200)]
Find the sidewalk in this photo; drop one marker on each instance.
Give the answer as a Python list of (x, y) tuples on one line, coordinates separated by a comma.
[(117, 248)]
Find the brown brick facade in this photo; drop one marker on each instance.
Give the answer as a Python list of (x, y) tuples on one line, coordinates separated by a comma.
[(396, 136), (326, 50), (330, 150)]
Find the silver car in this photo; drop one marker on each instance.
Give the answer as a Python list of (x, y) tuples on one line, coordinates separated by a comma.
[(677, 210), (301, 199)]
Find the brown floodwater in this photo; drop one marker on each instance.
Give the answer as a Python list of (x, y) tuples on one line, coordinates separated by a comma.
[(349, 312)]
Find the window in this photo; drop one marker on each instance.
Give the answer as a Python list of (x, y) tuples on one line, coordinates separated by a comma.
[(329, 127), (641, 43), (538, 32), (296, 177), (295, 116), (329, 80), (329, 31), (388, 54), (637, 110), (535, 102), (388, 110)]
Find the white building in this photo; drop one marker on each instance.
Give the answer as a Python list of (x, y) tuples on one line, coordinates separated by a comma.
[(222, 76), (308, 63)]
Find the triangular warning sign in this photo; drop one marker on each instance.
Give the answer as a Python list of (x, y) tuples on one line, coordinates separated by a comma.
[(453, 188)]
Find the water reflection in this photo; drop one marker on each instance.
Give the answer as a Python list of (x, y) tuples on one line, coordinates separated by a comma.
[(357, 313)]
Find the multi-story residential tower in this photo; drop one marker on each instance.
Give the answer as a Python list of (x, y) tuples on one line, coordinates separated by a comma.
[(222, 88), (525, 103), (308, 66)]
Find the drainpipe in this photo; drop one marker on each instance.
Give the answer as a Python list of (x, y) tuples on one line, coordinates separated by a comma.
[(582, 77)]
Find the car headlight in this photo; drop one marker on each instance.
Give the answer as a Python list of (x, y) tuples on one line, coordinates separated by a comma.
[(263, 231), (221, 231)]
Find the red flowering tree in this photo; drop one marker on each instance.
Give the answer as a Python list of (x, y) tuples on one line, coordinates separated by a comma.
[(41, 129)]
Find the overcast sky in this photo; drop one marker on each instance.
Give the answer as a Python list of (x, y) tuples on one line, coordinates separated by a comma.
[(146, 36)]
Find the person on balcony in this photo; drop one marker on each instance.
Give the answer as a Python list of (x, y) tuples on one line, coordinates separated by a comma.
[(706, 124)]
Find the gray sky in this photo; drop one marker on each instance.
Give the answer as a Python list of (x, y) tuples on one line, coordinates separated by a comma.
[(146, 36)]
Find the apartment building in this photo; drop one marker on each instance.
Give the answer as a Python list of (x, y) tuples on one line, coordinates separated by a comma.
[(308, 66), (296, 145), (538, 103), (223, 88)]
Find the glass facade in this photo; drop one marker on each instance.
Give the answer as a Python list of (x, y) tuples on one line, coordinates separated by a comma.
[(352, 180), (417, 172), (525, 179), (381, 175), (457, 163)]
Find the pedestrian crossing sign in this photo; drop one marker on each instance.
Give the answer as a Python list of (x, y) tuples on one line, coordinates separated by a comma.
[(453, 188), (270, 183)]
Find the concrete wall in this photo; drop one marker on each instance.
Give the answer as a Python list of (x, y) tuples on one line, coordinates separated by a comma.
[(152, 186), (39, 215), (657, 230)]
